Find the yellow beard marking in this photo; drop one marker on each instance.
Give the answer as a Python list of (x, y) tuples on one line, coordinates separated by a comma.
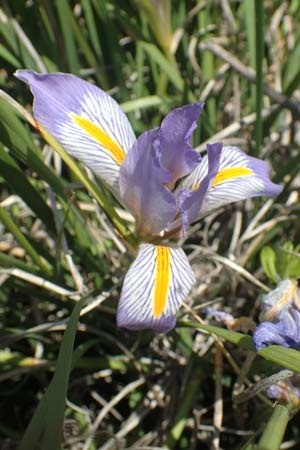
[(231, 173), (228, 174), (115, 151), (162, 280)]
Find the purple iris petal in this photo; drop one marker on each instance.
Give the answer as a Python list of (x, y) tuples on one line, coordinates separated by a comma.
[(144, 302), (286, 332), (103, 133), (173, 141), (262, 170), (142, 187), (220, 316), (190, 202)]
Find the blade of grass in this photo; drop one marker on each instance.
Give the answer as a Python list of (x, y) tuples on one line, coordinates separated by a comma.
[(275, 429), (184, 408), (249, 19), (142, 103), (10, 261), (285, 357), (46, 426), (16, 180), (165, 66), (23, 241), (65, 18), (259, 45)]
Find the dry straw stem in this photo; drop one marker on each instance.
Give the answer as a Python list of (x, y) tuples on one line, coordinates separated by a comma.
[(132, 422), (250, 75), (109, 406), (218, 404), (231, 264), (237, 126)]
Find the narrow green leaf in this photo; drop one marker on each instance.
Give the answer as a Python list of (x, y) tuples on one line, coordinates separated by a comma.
[(142, 103), (285, 357), (268, 262), (10, 261), (16, 180), (165, 66), (248, 10), (291, 75), (6, 55), (91, 25), (23, 241), (46, 426), (275, 429), (65, 18), (259, 45), (188, 400)]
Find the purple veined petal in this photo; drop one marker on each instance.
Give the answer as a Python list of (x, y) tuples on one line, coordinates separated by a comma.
[(220, 316), (154, 288), (286, 332), (190, 201), (142, 187), (173, 143), (268, 333), (239, 177), (86, 121), (290, 324)]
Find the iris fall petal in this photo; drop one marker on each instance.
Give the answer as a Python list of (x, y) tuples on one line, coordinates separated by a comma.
[(239, 177), (85, 120), (154, 288)]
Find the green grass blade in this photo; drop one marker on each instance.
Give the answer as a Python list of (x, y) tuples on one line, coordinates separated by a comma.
[(259, 45), (6, 55), (65, 18), (16, 180), (165, 66), (285, 357), (275, 429), (248, 11), (184, 409), (46, 426), (142, 103), (10, 261), (23, 241)]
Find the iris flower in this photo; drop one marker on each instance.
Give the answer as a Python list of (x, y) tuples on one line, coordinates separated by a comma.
[(286, 332), (282, 317), (158, 176)]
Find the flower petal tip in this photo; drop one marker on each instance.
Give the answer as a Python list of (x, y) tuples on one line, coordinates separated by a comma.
[(160, 326)]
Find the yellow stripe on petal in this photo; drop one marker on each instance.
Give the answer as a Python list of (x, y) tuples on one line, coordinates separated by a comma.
[(231, 173), (116, 152), (162, 280)]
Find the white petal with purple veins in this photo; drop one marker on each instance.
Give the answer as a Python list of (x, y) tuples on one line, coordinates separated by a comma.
[(156, 284), (86, 121)]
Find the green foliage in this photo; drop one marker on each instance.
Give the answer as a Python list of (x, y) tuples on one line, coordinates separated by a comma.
[(284, 263), (63, 235)]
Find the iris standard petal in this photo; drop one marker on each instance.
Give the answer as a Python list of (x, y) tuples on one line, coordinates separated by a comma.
[(142, 187), (85, 120), (190, 201), (155, 286), (239, 177), (173, 143)]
